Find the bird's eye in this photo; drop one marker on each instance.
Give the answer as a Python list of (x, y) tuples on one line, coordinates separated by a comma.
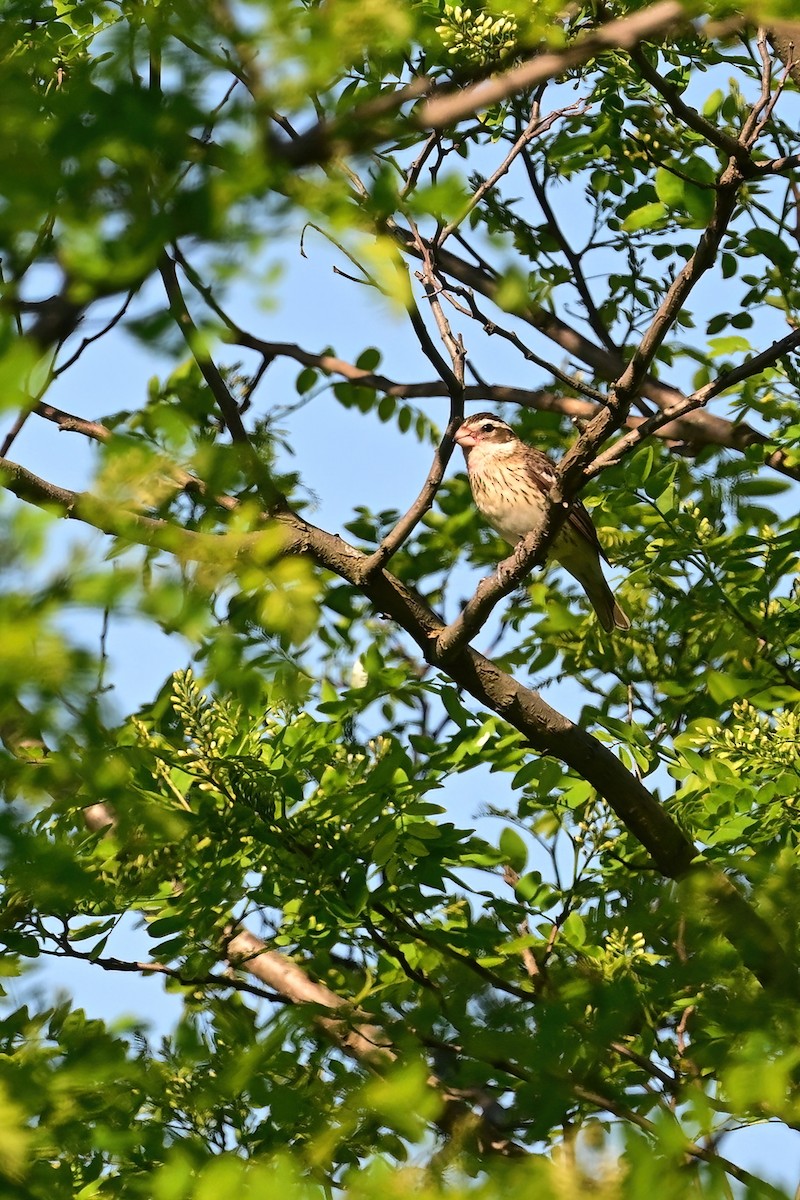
[(487, 427)]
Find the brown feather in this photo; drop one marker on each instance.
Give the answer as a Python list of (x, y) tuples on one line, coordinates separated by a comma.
[(542, 474), (509, 481)]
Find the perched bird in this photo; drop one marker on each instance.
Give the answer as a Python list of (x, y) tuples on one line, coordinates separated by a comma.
[(509, 482)]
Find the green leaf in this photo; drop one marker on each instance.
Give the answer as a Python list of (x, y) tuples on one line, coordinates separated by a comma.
[(771, 246), (723, 687), (573, 930), (513, 849), (305, 380), (528, 885), (670, 189), (699, 203), (729, 345), (646, 217), (454, 708), (369, 359), (713, 104), (729, 266), (717, 323)]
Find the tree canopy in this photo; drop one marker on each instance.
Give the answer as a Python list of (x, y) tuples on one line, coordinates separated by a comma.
[(584, 217)]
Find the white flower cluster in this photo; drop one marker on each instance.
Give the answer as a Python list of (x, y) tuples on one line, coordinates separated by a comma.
[(623, 952), (477, 37), (761, 741), (704, 530)]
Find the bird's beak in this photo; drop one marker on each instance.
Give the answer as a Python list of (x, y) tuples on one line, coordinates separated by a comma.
[(465, 438)]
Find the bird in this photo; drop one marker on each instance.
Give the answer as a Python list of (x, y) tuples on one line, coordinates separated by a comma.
[(509, 482)]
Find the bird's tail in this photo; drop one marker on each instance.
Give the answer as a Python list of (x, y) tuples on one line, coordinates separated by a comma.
[(603, 601)]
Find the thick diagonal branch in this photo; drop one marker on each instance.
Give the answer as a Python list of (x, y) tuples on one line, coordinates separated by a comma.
[(369, 124), (544, 728)]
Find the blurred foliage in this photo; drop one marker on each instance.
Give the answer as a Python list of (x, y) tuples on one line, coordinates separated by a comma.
[(537, 971)]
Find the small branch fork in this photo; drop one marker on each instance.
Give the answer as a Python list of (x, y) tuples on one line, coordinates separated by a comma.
[(452, 377), (537, 125), (492, 329)]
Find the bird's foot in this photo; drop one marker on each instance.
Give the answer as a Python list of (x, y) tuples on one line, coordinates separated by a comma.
[(506, 569)]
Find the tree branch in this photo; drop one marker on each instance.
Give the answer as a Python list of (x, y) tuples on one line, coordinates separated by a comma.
[(739, 436), (634, 374), (68, 423), (530, 552), (536, 126), (453, 379), (592, 314), (691, 117), (185, 544), (492, 329), (126, 966), (368, 124), (544, 728), (657, 423), (271, 498)]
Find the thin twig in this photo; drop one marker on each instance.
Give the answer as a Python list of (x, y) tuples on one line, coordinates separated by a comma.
[(110, 963), (592, 313), (95, 337), (414, 171), (453, 379), (762, 106), (271, 497), (491, 328), (536, 126)]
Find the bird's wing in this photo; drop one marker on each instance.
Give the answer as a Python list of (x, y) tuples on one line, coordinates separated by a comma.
[(540, 469), (580, 520), (543, 474)]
